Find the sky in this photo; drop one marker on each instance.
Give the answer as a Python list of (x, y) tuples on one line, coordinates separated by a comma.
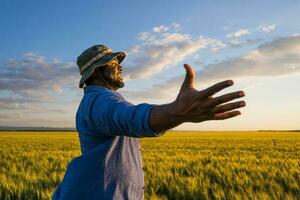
[(254, 43)]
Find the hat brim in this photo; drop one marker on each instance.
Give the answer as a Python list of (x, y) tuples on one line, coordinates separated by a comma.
[(101, 62)]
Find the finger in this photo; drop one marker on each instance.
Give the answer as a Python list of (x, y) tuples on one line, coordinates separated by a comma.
[(189, 77), (225, 98), (226, 115), (228, 107), (216, 88)]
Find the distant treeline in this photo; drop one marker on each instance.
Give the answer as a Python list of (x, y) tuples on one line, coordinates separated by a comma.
[(10, 128), (278, 130), (45, 129)]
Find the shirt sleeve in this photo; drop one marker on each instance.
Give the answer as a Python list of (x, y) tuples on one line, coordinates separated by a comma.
[(115, 116)]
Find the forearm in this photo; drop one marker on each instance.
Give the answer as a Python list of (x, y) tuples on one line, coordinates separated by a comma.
[(163, 117)]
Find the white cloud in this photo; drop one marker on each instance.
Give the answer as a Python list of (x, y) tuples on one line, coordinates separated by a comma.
[(133, 50), (36, 86), (161, 50), (176, 26), (266, 28), (217, 45), (281, 57), (159, 29), (33, 76), (238, 33), (144, 36), (277, 58), (238, 42)]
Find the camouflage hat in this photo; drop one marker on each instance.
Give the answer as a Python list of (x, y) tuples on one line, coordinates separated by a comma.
[(93, 57)]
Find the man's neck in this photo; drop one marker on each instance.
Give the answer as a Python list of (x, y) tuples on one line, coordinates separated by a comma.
[(103, 84)]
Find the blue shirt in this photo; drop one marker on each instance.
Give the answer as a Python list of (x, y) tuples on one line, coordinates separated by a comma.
[(110, 166)]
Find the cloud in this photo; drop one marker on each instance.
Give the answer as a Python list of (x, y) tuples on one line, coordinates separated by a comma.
[(133, 50), (238, 42), (12, 103), (238, 33), (235, 39), (277, 58), (34, 77), (266, 28), (176, 26), (162, 48), (159, 29), (33, 85), (163, 28), (280, 57)]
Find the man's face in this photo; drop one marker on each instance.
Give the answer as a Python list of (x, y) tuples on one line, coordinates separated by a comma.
[(112, 73)]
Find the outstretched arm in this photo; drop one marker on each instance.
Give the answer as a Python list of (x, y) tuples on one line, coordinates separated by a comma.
[(192, 105)]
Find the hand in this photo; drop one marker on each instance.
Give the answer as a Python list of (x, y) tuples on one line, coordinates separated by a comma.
[(192, 105)]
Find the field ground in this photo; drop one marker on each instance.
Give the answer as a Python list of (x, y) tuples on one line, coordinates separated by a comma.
[(179, 165)]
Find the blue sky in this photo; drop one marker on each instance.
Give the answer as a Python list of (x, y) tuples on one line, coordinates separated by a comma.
[(254, 43)]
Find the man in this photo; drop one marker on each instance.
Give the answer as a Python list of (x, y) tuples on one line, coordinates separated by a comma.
[(109, 127)]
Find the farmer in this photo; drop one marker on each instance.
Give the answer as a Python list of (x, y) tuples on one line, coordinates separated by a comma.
[(109, 127)]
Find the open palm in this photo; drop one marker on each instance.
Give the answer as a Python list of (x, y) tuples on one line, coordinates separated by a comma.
[(196, 106)]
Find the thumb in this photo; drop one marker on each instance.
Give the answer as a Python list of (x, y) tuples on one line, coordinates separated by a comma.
[(189, 77)]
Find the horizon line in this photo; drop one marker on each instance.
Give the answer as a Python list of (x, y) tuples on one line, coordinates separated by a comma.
[(45, 128)]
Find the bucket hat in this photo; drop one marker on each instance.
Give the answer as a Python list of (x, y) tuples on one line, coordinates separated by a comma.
[(93, 57)]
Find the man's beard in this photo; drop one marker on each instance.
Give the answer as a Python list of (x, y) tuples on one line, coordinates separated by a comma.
[(116, 83)]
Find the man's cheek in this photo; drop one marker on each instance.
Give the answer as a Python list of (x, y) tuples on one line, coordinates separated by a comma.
[(110, 75)]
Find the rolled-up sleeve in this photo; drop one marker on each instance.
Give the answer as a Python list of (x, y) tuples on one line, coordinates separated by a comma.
[(115, 116)]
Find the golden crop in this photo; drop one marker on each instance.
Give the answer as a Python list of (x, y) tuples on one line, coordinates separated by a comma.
[(179, 165)]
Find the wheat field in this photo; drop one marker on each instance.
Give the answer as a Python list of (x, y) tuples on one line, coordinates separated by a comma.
[(178, 165)]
